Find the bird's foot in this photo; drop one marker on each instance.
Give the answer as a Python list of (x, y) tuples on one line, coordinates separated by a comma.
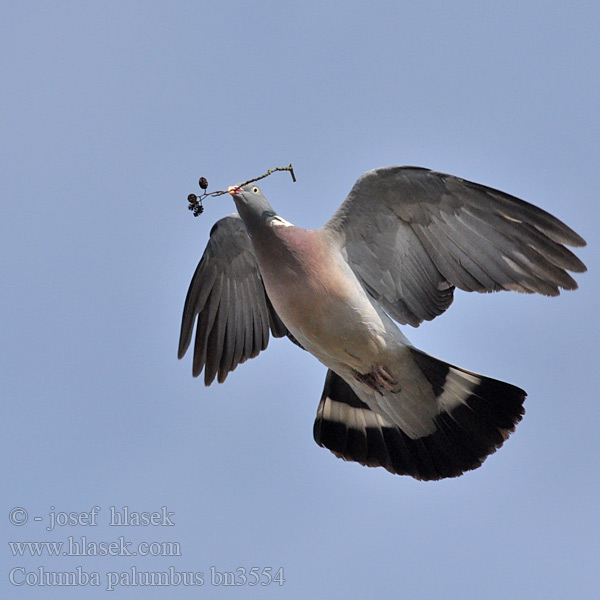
[(378, 379)]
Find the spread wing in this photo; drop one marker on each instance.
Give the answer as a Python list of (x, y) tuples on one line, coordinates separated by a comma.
[(228, 304), (412, 235)]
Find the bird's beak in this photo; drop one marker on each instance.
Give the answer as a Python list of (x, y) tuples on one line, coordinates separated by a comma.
[(233, 190)]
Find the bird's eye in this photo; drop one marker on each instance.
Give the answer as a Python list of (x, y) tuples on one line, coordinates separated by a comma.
[(255, 190)]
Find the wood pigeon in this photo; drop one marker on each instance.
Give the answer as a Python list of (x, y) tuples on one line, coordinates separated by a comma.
[(395, 250)]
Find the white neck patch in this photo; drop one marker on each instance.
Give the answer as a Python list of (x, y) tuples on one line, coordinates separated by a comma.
[(278, 221)]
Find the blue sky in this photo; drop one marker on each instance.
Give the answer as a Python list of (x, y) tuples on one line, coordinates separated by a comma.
[(109, 113)]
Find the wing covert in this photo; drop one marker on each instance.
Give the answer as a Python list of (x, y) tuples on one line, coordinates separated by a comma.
[(412, 235), (228, 304)]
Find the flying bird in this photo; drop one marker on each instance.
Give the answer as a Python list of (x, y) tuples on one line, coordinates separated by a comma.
[(393, 252)]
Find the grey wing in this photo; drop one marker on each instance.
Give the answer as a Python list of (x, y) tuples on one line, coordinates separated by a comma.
[(228, 304), (412, 235)]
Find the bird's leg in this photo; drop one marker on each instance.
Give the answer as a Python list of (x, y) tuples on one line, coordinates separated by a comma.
[(377, 379)]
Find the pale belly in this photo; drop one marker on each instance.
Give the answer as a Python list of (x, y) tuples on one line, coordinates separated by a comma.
[(329, 313), (321, 302)]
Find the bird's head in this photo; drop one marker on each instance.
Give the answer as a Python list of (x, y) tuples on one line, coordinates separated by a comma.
[(252, 205)]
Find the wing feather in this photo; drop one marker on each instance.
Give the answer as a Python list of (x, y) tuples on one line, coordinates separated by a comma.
[(228, 304), (412, 235)]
